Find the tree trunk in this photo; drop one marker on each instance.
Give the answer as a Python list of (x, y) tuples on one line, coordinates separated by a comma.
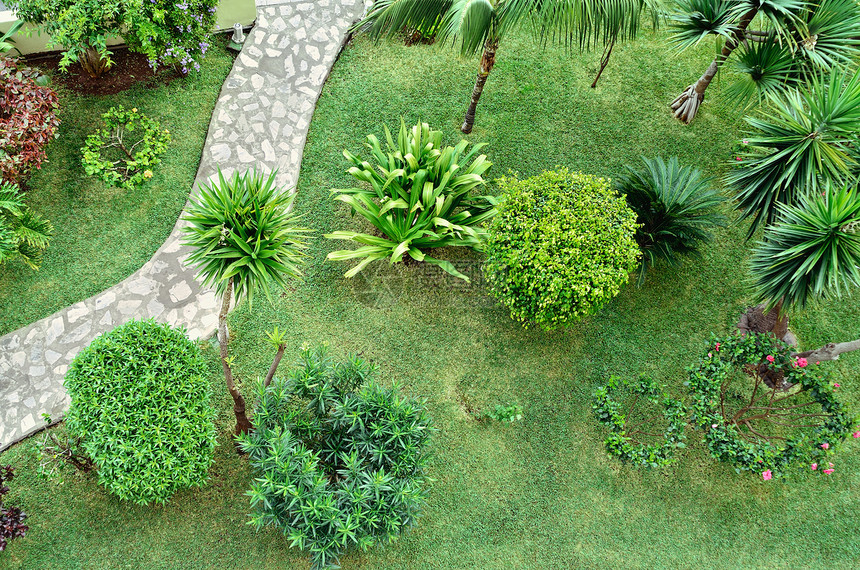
[(604, 61), (274, 367), (829, 351), (242, 423), (774, 321), (93, 63), (687, 104), (488, 60)]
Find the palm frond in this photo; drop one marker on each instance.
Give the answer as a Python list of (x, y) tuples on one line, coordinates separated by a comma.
[(768, 69), (694, 20), (831, 33)]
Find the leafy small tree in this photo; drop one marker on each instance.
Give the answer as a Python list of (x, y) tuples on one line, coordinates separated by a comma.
[(243, 236), (420, 197), (797, 38), (23, 234), (166, 32), (812, 252), (11, 518), (141, 411), (674, 208), (340, 460), (560, 247), (481, 25)]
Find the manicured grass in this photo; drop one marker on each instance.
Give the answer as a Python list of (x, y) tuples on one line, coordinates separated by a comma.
[(104, 234), (541, 493)]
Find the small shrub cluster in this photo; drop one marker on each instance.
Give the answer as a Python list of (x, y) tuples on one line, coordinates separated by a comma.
[(28, 120), (11, 518), (340, 460), (124, 153), (23, 234), (560, 247), (419, 197), (140, 406)]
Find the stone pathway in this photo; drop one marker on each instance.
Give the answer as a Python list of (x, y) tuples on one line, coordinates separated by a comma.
[(261, 119)]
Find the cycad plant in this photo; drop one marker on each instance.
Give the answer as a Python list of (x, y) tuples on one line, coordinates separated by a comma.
[(674, 208), (811, 252), (804, 141), (23, 234), (480, 25), (795, 38), (243, 236), (419, 196)]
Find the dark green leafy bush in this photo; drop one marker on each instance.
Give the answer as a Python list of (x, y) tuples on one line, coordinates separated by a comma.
[(140, 405), (339, 459), (560, 247)]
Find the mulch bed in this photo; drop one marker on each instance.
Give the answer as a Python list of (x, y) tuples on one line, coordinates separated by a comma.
[(128, 69)]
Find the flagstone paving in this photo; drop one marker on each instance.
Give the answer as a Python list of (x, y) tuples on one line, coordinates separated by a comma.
[(261, 120)]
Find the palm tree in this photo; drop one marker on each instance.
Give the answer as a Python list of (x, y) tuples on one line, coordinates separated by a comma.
[(23, 234), (796, 37), (480, 25), (674, 208), (805, 140), (243, 236), (812, 252)]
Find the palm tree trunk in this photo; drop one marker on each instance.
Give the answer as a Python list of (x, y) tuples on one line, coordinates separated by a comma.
[(488, 60), (604, 61), (687, 104), (243, 425), (92, 62)]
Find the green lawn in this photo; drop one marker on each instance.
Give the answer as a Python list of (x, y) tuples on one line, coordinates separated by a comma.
[(541, 493), (104, 234)]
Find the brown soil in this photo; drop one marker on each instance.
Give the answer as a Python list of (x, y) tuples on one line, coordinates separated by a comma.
[(128, 70)]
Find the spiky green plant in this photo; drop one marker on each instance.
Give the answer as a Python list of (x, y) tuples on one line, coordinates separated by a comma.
[(418, 196), (812, 251), (243, 236), (23, 234), (804, 141), (674, 208)]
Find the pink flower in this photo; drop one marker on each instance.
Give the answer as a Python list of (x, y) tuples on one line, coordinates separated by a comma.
[(829, 471), (817, 362), (717, 346), (802, 362), (770, 358), (829, 464), (767, 475), (710, 355), (825, 445), (745, 141), (714, 426), (856, 434), (814, 466), (836, 386)]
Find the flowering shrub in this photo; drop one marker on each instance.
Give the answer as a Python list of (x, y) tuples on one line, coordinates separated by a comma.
[(339, 460), (763, 410), (140, 407), (125, 151), (28, 120), (11, 519), (629, 440), (561, 245), (166, 31)]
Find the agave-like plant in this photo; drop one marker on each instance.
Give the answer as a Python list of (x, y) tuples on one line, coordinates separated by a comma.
[(23, 234), (674, 207), (806, 139), (243, 236), (811, 252), (418, 196)]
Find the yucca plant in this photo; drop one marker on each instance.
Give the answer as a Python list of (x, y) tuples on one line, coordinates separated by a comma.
[(796, 37), (806, 140), (419, 196), (674, 208), (243, 235), (23, 234)]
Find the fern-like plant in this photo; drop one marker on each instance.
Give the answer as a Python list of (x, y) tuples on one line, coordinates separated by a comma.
[(674, 207), (419, 196), (23, 234)]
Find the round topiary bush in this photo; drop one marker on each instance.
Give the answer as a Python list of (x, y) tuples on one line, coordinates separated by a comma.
[(140, 404), (339, 460), (561, 246)]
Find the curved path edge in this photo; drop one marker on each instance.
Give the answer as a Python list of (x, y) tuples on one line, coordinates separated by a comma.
[(261, 119)]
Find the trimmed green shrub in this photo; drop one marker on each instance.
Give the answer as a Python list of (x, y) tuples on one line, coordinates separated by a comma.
[(140, 404), (339, 459), (560, 247)]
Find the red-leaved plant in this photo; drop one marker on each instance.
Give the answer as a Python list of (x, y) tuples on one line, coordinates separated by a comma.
[(28, 120), (11, 519)]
